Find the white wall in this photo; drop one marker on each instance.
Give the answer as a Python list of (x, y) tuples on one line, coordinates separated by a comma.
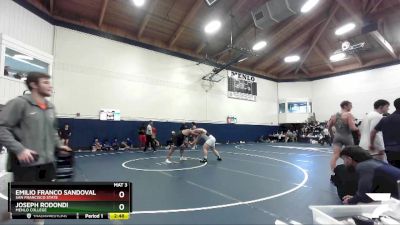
[(91, 73), (22, 25), (294, 90), (34, 34), (293, 117), (10, 88), (361, 88)]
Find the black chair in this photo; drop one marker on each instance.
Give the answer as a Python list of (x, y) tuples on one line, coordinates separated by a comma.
[(65, 165)]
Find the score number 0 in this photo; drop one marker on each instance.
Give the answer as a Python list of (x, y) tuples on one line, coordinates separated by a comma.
[(121, 206)]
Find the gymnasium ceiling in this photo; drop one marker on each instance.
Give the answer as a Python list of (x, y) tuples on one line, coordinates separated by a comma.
[(178, 26)]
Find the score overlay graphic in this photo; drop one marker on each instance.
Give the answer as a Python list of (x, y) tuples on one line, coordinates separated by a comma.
[(77, 200)]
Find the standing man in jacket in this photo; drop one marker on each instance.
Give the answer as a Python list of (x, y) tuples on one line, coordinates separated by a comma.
[(390, 127), (28, 129)]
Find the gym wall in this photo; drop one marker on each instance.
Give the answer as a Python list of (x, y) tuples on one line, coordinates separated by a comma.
[(294, 92), (91, 73), (362, 88), (24, 26)]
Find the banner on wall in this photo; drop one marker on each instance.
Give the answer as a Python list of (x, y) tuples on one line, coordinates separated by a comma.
[(110, 114), (231, 119), (242, 86)]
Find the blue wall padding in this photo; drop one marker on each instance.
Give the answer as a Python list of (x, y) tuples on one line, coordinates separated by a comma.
[(85, 130)]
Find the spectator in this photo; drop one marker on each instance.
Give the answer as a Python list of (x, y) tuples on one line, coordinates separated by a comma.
[(127, 144), (289, 136), (115, 144), (6, 69), (374, 176), (295, 134), (106, 145), (18, 75), (281, 137), (96, 146), (65, 134), (183, 126), (326, 138), (390, 127)]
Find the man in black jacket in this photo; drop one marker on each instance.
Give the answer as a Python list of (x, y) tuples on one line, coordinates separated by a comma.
[(374, 176)]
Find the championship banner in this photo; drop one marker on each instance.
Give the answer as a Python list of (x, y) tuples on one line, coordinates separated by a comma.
[(242, 86)]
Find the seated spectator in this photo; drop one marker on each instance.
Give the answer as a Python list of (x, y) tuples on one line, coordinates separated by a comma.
[(289, 136), (327, 137), (18, 76), (184, 126), (295, 133), (374, 176), (106, 145), (127, 144), (115, 144), (96, 146), (281, 137)]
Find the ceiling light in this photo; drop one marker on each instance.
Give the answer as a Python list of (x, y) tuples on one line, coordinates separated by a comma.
[(242, 60), (212, 27), (337, 57), (310, 4), (345, 28), (25, 57), (211, 2), (292, 58), (259, 45), (138, 3)]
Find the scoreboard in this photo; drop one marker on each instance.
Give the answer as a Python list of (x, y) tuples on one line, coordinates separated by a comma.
[(76, 200)]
